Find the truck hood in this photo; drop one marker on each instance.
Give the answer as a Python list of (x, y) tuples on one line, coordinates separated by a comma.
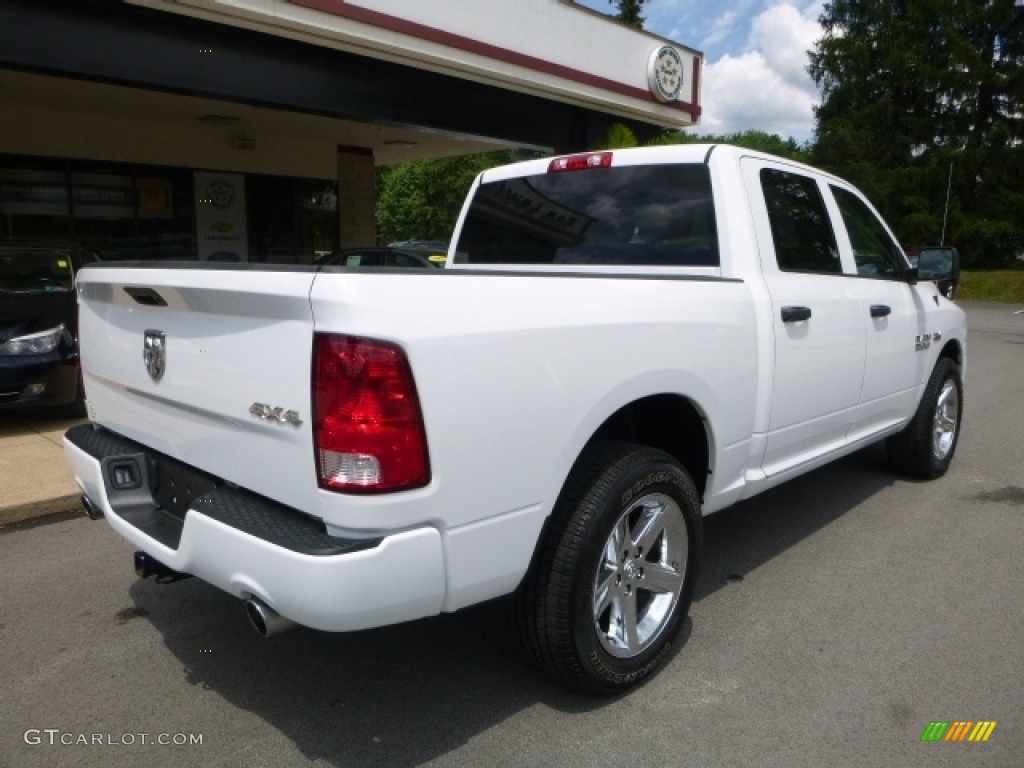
[(191, 362)]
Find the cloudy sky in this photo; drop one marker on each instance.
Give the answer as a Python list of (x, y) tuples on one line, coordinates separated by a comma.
[(755, 59)]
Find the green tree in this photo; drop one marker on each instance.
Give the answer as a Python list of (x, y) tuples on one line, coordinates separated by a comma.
[(621, 137), (925, 97), (421, 200), (761, 141), (629, 12)]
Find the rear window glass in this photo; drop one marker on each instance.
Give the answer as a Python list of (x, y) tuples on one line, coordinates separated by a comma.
[(629, 215)]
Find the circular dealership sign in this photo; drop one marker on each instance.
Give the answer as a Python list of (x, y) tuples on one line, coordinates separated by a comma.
[(665, 74), (220, 193)]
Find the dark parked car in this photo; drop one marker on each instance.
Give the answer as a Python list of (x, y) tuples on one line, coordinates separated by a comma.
[(436, 249), (381, 257), (39, 324)]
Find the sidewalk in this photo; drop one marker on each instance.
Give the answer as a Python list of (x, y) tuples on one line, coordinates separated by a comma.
[(34, 477)]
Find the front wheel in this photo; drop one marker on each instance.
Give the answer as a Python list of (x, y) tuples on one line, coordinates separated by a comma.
[(614, 578), (925, 447)]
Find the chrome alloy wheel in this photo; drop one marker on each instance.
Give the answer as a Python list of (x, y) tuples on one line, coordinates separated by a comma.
[(640, 576), (945, 423)]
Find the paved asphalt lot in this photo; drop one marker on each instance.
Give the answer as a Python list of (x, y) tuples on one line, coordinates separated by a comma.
[(836, 617)]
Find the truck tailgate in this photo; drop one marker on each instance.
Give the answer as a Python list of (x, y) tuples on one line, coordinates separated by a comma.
[(194, 362)]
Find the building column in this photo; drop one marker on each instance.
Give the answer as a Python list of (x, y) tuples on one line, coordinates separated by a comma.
[(357, 197)]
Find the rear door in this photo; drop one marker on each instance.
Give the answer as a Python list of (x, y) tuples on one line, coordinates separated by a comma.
[(205, 364), (819, 344)]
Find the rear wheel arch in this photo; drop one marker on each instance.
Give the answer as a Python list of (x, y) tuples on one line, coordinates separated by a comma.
[(671, 423), (628, 516), (667, 422)]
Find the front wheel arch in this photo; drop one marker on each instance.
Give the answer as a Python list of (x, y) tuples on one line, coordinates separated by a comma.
[(925, 447)]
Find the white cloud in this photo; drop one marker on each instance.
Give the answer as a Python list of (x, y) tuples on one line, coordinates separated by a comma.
[(784, 36), (767, 87), (744, 93), (721, 28)]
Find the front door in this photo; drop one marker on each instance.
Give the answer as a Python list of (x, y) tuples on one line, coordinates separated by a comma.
[(894, 314)]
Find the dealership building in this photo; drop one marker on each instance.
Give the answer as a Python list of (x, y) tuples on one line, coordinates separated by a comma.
[(252, 129)]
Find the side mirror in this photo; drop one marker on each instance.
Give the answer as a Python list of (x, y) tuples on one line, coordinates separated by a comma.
[(941, 265), (936, 264)]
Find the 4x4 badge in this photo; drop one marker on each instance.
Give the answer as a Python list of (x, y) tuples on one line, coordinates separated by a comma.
[(270, 413), (154, 353)]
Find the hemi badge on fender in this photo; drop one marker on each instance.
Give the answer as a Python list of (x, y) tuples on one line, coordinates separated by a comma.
[(270, 413)]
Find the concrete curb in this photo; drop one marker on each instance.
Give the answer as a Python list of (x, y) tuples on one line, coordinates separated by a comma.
[(35, 479), (18, 513)]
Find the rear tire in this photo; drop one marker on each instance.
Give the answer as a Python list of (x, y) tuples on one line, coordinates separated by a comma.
[(926, 446), (614, 576)]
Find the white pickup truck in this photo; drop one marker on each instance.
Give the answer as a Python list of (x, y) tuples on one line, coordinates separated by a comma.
[(620, 343)]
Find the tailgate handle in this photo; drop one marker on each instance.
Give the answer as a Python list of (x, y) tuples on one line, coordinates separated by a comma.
[(880, 310), (795, 314), (146, 296)]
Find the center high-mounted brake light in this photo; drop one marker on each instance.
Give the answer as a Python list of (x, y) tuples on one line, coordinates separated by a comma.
[(580, 162), (368, 427)]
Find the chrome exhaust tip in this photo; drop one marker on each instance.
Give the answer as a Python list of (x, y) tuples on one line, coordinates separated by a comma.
[(265, 619)]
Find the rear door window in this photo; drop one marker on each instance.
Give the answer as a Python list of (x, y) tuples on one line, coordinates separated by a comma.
[(801, 229), (642, 215)]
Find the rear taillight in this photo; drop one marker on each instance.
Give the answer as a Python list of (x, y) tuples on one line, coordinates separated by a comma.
[(580, 162), (368, 428)]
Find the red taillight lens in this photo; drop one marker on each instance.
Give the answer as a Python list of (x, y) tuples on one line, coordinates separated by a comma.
[(368, 428), (580, 162)]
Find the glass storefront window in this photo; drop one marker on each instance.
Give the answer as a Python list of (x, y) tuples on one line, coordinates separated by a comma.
[(318, 215), (166, 213), (291, 220), (34, 204), (271, 220), (149, 212), (103, 213)]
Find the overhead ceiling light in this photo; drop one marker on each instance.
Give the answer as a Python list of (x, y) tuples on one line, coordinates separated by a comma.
[(219, 120)]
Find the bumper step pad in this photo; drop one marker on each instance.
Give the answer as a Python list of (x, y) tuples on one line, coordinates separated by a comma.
[(153, 492)]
